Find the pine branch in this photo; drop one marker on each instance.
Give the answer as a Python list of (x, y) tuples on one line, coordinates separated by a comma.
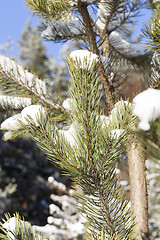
[(125, 60), (123, 11), (49, 9), (152, 31), (104, 207), (93, 45), (98, 178), (15, 76), (13, 228), (60, 31), (90, 161), (53, 144), (10, 103)]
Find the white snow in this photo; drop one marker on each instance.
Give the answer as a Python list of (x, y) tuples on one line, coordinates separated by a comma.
[(56, 184), (32, 112), (55, 221), (14, 123), (67, 104), (84, 58), (75, 27), (116, 133), (47, 32), (7, 136), (116, 118), (11, 227), (105, 120), (117, 113), (74, 2), (103, 13), (68, 17), (14, 102), (117, 171), (117, 41), (147, 107), (70, 134), (19, 73)]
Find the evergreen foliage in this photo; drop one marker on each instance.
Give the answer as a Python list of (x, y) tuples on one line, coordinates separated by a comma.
[(15, 228), (88, 153), (89, 163), (152, 31)]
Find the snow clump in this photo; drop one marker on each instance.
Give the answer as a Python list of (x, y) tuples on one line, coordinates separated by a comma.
[(32, 112), (84, 58), (70, 134), (74, 2), (11, 122), (12, 226), (47, 32), (67, 104), (147, 107)]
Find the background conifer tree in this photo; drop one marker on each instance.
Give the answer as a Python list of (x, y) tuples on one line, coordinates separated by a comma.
[(34, 58), (33, 52)]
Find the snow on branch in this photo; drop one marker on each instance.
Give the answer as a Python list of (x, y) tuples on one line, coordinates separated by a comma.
[(11, 102), (147, 107), (73, 2), (15, 71), (15, 228), (116, 39), (84, 58), (14, 123), (62, 30)]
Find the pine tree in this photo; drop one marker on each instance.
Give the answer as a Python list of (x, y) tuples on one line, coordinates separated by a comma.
[(33, 52), (89, 150), (34, 58)]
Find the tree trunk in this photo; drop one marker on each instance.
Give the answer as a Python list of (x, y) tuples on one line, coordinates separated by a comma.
[(82, 7), (138, 187)]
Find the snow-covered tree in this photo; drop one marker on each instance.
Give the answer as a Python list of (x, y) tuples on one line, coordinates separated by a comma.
[(33, 52), (76, 135), (34, 57)]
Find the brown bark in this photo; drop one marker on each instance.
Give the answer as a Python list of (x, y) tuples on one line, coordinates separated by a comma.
[(138, 187), (94, 48)]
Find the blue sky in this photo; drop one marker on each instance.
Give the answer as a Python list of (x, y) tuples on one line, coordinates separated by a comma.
[(14, 15)]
